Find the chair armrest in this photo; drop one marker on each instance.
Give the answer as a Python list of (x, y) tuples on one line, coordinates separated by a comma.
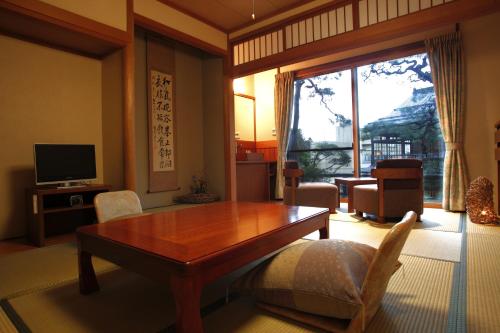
[(397, 173), (293, 173)]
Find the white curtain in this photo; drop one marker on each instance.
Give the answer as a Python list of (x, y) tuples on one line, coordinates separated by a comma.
[(447, 65)]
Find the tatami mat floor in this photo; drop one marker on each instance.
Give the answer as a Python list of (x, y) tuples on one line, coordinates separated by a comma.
[(483, 278), (423, 296)]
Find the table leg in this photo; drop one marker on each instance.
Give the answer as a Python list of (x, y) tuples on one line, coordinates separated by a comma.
[(187, 294), (350, 209), (324, 233), (338, 193), (86, 274)]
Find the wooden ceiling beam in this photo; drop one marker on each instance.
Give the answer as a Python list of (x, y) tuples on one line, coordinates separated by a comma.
[(194, 15), (151, 25), (45, 24)]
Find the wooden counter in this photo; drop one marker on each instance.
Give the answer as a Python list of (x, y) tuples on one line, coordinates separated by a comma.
[(255, 180)]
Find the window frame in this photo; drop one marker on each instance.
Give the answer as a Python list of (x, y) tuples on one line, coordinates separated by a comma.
[(352, 63)]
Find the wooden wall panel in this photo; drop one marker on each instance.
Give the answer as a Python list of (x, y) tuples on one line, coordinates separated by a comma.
[(269, 149), (161, 57)]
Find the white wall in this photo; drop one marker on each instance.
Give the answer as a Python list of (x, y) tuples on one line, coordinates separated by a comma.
[(109, 12), (482, 54), (46, 96), (260, 86), (264, 98)]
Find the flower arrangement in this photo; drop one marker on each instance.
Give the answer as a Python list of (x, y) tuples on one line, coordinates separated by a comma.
[(199, 192), (199, 185)]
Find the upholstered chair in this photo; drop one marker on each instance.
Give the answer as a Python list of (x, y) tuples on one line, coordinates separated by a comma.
[(399, 189), (113, 205), (298, 193)]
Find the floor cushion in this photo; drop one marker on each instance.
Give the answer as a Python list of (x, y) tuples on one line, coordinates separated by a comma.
[(319, 277)]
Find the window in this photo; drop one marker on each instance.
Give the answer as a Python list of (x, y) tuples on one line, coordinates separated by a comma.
[(396, 115), (321, 129)]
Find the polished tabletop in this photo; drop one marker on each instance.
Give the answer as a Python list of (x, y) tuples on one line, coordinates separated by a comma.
[(187, 235)]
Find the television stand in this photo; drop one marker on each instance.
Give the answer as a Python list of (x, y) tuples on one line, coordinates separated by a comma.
[(51, 212), (71, 185)]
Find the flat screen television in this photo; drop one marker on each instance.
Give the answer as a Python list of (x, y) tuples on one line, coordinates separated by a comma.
[(64, 163)]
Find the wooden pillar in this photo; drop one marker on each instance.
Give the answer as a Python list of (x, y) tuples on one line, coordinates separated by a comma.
[(229, 142), (129, 158), (356, 145), (497, 157)]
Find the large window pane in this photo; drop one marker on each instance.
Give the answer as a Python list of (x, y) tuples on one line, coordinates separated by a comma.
[(321, 129), (398, 118)]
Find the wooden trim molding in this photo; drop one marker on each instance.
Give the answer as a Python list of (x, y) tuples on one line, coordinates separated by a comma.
[(229, 142), (433, 205), (266, 144), (435, 17), (44, 12), (163, 30), (245, 96), (355, 123), (129, 149), (365, 59), (194, 15), (275, 13), (280, 24)]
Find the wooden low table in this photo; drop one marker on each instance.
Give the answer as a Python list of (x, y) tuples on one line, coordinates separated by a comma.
[(191, 247), (350, 182)]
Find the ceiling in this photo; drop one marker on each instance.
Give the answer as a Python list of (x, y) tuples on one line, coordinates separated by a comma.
[(229, 15)]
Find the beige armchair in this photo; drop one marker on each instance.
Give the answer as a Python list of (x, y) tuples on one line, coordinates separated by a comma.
[(399, 189), (112, 205), (307, 194)]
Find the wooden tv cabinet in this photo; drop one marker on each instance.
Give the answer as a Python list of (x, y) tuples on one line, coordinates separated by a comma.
[(50, 210)]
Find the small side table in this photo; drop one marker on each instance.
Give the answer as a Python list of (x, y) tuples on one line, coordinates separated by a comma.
[(350, 182)]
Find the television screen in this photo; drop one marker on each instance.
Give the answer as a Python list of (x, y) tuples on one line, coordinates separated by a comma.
[(60, 163)]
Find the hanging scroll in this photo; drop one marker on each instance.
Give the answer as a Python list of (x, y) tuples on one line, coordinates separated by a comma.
[(162, 121), (161, 113)]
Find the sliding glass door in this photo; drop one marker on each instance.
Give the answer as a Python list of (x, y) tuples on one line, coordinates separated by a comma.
[(321, 137), (398, 118), (393, 103)]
